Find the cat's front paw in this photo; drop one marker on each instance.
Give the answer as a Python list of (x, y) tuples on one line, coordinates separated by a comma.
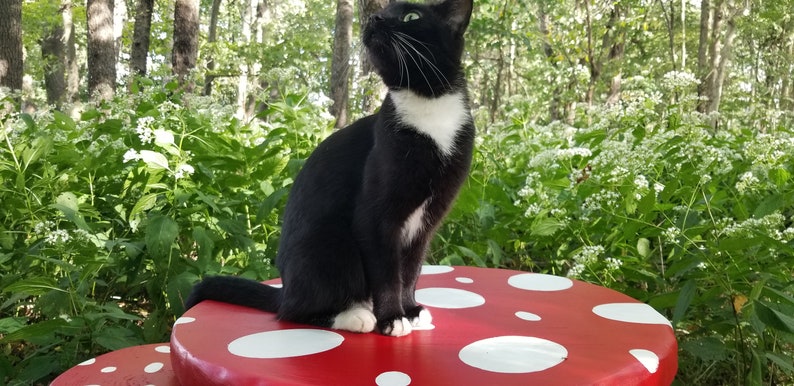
[(398, 326), (419, 317), (356, 319)]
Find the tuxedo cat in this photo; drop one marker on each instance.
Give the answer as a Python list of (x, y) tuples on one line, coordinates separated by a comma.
[(367, 202)]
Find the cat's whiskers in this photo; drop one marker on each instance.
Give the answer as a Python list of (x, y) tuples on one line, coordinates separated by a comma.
[(401, 62), (436, 71), (418, 66)]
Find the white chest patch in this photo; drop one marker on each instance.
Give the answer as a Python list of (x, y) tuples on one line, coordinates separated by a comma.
[(414, 223), (439, 118)]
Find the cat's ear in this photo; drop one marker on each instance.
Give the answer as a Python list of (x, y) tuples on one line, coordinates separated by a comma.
[(456, 12)]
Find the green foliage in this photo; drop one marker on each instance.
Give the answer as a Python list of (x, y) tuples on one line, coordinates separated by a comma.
[(643, 198), (109, 218)]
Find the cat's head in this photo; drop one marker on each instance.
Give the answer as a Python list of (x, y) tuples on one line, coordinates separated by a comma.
[(419, 46)]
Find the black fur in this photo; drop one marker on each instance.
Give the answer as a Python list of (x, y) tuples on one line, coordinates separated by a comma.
[(342, 240)]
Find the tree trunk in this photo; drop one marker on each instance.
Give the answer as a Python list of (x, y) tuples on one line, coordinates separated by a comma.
[(555, 104), (53, 53), (101, 49), (141, 37), (211, 38), (242, 81), (340, 62), (11, 68), (71, 67), (371, 89), (713, 59), (185, 50)]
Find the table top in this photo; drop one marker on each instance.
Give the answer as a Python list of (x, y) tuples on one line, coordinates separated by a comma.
[(138, 365), (490, 326)]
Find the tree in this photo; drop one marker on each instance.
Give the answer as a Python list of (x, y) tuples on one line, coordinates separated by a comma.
[(369, 89), (140, 36), (340, 61), (717, 33), (211, 38), (185, 51), (53, 53), (11, 69), (101, 49)]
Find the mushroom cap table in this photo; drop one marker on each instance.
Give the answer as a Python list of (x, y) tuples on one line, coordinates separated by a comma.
[(490, 327), (137, 365)]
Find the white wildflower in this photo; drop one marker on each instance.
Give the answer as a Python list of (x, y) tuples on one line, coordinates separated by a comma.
[(131, 155), (183, 170), (671, 233), (576, 270), (613, 263), (144, 129), (57, 236)]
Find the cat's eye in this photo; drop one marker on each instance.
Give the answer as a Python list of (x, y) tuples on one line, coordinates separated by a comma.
[(410, 16)]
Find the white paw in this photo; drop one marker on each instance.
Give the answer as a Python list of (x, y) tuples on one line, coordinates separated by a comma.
[(423, 320), (355, 319), (399, 327)]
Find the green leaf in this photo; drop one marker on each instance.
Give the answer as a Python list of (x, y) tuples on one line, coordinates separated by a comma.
[(546, 227), (34, 330), (154, 159), (144, 203), (270, 203), (33, 286), (644, 247), (160, 235), (116, 338), (496, 252), (64, 122), (707, 349), (784, 363), (67, 203), (39, 147), (11, 324), (205, 246), (684, 300), (774, 318), (37, 368), (472, 255)]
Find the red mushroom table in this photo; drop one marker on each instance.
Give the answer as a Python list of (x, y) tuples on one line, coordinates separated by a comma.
[(490, 327), (138, 365)]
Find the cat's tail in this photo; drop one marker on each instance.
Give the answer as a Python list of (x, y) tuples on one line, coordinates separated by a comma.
[(236, 290)]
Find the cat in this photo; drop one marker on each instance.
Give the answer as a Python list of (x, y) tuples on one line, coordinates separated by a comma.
[(365, 205)]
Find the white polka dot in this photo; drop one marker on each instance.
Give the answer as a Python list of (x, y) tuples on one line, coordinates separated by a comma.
[(285, 343), (631, 313), (648, 359), (108, 369), (464, 280), (163, 349), (527, 316), (184, 319), (393, 378), (539, 282), (88, 362), (277, 285), (448, 298), (153, 367), (513, 354), (436, 269)]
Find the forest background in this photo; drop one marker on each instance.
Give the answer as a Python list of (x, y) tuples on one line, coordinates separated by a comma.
[(643, 145)]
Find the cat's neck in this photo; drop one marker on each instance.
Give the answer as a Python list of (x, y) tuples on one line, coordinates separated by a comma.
[(439, 118)]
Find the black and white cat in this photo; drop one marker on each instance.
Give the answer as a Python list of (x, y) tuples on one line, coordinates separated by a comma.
[(367, 202)]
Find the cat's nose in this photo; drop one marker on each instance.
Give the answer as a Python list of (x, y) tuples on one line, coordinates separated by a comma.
[(375, 17)]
